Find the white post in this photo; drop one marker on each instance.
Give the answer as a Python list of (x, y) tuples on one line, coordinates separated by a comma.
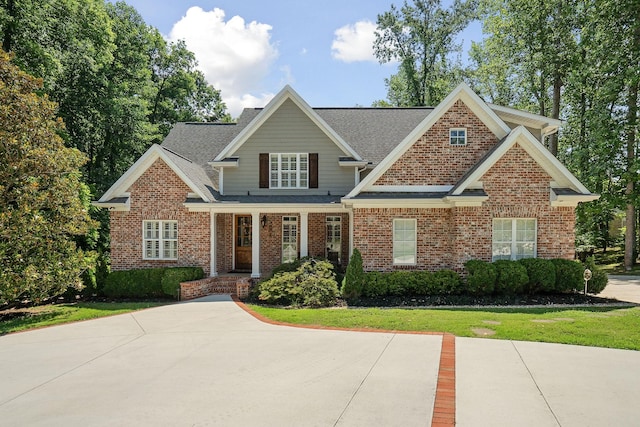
[(221, 181), (255, 244), (213, 268), (304, 234), (350, 234)]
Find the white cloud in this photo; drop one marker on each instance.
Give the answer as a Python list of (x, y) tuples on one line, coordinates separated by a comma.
[(234, 56), (354, 43), (235, 103)]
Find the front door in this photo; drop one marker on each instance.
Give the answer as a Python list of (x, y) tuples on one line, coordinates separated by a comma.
[(243, 242)]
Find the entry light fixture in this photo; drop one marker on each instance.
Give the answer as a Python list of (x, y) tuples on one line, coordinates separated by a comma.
[(263, 221)]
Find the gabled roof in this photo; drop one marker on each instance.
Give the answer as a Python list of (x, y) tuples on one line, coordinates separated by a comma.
[(190, 173), (287, 93), (463, 93), (520, 135)]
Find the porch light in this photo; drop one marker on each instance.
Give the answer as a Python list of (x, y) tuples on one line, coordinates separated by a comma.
[(263, 221)]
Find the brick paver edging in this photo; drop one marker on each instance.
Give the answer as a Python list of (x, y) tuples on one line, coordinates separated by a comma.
[(444, 408)]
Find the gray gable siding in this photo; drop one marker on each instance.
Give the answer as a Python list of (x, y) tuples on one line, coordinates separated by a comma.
[(289, 130)]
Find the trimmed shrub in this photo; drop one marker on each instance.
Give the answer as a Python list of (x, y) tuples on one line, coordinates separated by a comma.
[(313, 284), (354, 277), (599, 278), (446, 282), (376, 285), (542, 275), (569, 275), (481, 277), (174, 276), (143, 283), (401, 283), (149, 282), (511, 277), (424, 283)]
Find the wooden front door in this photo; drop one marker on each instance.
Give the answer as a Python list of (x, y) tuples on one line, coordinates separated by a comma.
[(243, 243)]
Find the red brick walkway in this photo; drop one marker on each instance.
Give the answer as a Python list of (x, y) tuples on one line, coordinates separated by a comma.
[(444, 409)]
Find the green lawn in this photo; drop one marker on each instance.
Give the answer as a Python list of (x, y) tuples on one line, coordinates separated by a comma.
[(48, 315), (597, 327)]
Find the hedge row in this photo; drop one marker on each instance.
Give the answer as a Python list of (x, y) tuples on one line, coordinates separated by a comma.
[(525, 276), (150, 282)]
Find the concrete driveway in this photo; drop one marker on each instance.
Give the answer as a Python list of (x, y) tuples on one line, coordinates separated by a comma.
[(208, 362)]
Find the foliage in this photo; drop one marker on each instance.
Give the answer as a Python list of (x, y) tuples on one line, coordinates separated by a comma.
[(41, 211), (313, 284), (481, 277), (511, 277), (375, 285), (447, 282), (420, 36), (599, 278), (354, 278), (149, 282), (174, 276), (541, 273), (569, 275)]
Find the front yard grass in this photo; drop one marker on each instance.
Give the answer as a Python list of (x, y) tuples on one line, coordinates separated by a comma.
[(48, 315), (611, 327)]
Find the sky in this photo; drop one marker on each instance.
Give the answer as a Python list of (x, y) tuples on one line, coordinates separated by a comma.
[(251, 49)]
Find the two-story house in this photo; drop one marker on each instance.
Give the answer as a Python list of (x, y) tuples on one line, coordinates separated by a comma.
[(423, 188)]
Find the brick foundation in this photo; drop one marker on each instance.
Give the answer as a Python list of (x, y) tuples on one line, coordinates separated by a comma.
[(233, 285)]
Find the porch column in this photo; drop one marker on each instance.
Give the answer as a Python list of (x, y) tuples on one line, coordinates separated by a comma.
[(213, 268), (255, 244), (350, 234), (304, 234)]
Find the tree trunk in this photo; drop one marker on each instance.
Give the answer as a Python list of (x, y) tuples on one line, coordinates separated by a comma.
[(630, 221), (555, 112), (7, 40)]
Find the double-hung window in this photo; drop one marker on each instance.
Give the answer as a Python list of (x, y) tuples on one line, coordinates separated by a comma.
[(334, 238), (404, 241), (458, 136), (289, 170), (160, 240), (514, 238)]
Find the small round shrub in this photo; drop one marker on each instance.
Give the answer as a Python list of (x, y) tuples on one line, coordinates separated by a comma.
[(569, 275), (446, 282), (424, 283), (401, 283), (511, 277), (599, 278), (542, 275), (481, 277), (313, 284), (376, 285)]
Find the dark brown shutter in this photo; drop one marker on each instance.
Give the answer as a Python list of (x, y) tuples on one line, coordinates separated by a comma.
[(313, 170), (264, 170)]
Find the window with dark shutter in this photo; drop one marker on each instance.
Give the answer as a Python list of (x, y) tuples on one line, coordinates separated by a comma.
[(313, 170), (264, 170)]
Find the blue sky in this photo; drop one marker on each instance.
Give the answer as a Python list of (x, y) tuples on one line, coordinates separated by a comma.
[(249, 49)]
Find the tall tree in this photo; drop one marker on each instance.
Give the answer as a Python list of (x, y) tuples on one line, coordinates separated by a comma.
[(41, 194), (420, 36)]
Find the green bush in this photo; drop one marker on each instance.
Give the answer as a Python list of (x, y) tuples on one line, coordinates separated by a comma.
[(446, 282), (511, 277), (174, 276), (376, 285), (313, 284), (401, 282), (569, 275), (425, 283), (599, 278), (542, 275), (481, 277), (150, 282), (354, 277)]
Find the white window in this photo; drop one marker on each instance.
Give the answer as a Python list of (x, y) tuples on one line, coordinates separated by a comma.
[(160, 239), (404, 241), (458, 136), (289, 170), (514, 238), (334, 238), (289, 238)]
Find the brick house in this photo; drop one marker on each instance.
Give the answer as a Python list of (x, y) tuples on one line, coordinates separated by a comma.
[(411, 188)]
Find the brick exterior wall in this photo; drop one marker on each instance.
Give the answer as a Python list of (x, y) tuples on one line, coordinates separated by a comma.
[(432, 160), (517, 188), (158, 195)]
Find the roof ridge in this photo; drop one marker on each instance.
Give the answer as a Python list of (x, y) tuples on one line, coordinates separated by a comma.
[(176, 154)]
